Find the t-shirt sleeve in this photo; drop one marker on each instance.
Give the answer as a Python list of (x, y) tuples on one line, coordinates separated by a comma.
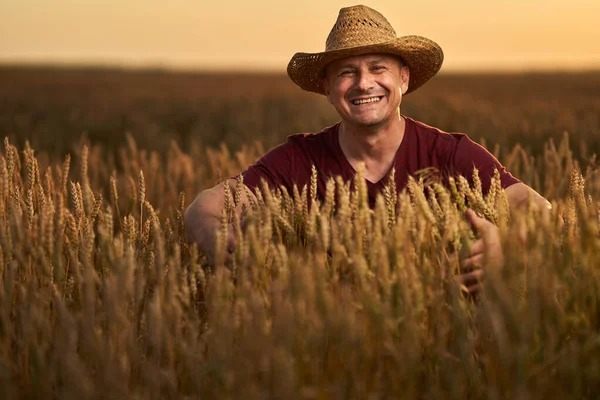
[(469, 155), (275, 167)]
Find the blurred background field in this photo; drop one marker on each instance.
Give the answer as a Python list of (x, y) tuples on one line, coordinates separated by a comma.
[(230, 119), (54, 108)]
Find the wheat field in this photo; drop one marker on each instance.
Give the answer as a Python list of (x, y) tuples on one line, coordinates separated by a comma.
[(102, 297)]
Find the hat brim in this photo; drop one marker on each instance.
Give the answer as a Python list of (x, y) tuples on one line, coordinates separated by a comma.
[(423, 57)]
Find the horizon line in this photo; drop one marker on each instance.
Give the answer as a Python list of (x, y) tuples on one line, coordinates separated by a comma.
[(262, 70)]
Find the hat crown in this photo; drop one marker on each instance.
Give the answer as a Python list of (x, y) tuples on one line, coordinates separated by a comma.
[(359, 26)]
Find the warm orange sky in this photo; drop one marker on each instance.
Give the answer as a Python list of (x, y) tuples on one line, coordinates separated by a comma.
[(264, 34)]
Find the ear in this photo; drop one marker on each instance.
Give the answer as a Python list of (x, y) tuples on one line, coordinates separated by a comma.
[(326, 86), (404, 78)]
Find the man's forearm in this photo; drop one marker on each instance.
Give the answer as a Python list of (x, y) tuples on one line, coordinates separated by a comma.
[(521, 196), (202, 218), (199, 226)]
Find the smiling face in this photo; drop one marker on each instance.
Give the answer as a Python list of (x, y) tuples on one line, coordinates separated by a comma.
[(366, 90)]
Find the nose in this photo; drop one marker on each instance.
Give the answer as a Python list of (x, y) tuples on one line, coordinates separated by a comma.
[(364, 81)]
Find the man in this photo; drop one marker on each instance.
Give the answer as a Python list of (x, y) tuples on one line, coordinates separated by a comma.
[(365, 71)]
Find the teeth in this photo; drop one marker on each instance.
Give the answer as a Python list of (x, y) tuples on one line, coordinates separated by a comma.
[(364, 101)]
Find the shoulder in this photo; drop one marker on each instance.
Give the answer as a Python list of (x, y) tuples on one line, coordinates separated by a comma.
[(458, 146), (435, 135), (308, 139), (437, 143), (299, 144), (313, 146)]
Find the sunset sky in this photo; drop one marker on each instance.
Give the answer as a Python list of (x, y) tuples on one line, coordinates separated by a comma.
[(264, 34)]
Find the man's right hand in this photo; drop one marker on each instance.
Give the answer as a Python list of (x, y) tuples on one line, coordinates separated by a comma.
[(206, 236), (203, 221)]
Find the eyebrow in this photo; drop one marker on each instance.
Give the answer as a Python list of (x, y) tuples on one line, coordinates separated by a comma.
[(379, 60), (342, 66)]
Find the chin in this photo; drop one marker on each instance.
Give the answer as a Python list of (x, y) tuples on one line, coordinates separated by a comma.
[(369, 123), (371, 120)]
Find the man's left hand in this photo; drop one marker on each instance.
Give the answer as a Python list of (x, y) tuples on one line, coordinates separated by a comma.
[(485, 252)]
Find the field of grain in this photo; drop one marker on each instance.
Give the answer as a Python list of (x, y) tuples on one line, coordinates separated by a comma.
[(102, 297)]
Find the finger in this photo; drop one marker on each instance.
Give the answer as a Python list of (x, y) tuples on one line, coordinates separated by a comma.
[(463, 288), (475, 288), (474, 261), (231, 241), (478, 223), (477, 247), (244, 221), (228, 262), (470, 278)]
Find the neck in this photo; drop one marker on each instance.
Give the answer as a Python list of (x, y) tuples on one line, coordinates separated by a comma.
[(372, 145)]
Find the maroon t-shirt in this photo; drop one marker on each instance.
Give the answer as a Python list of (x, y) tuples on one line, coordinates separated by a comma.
[(422, 147)]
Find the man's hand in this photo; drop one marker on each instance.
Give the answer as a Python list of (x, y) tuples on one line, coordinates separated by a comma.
[(203, 220), (485, 252), (208, 240)]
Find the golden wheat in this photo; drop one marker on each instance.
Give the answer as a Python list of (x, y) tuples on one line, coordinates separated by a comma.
[(324, 298)]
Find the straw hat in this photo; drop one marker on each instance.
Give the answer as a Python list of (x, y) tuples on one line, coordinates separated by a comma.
[(362, 30)]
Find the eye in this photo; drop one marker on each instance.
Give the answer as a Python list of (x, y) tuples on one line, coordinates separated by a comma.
[(377, 68), (346, 72)]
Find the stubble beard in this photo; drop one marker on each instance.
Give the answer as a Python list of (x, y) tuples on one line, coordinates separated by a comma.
[(377, 124)]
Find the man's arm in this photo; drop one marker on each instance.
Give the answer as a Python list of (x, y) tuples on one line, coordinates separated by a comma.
[(488, 249), (469, 154), (518, 196), (203, 217)]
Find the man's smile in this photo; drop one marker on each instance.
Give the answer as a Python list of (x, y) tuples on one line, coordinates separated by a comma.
[(366, 100)]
